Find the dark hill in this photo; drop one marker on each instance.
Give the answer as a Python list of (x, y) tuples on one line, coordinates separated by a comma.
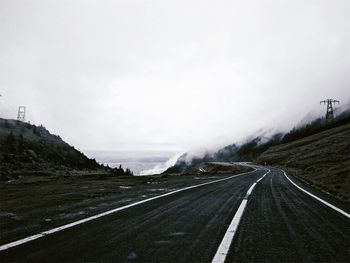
[(30, 149)]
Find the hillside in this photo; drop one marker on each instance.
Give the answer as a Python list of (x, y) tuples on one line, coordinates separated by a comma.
[(322, 159), (26, 149), (253, 148), (317, 152), (248, 151)]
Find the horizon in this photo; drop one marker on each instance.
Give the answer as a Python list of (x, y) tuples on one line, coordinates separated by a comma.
[(152, 161)]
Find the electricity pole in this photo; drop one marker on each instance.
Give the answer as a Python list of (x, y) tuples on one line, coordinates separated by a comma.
[(329, 113), (21, 116)]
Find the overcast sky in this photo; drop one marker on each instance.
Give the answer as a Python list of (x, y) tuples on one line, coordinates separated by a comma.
[(171, 75)]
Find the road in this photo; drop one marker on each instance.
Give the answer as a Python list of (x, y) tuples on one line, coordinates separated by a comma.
[(283, 224), (280, 224)]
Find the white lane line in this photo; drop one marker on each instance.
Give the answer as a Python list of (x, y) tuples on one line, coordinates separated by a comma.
[(225, 244), (317, 198), (57, 229)]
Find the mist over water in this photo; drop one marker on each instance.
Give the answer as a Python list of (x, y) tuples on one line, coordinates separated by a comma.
[(140, 162), (161, 167)]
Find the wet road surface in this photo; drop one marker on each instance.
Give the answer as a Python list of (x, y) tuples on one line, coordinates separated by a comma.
[(283, 224), (279, 224)]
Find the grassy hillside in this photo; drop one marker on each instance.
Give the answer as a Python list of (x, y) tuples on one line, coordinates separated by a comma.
[(322, 159)]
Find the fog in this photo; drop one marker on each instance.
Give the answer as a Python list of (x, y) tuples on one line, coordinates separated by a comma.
[(140, 75)]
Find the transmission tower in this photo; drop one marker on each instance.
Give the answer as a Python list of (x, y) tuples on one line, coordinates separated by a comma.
[(21, 116), (329, 113)]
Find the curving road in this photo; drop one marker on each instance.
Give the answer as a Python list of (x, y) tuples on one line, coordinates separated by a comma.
[(283, 224), (280, 224)]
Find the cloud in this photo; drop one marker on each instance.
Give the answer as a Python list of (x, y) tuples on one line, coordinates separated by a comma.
[(159, 168), (138, 75)]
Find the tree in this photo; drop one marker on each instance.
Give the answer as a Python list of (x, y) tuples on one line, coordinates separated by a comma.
[(10, 139), (20, 143)]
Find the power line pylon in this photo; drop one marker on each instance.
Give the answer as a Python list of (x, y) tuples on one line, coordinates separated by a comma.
[(21, 116), (329, 113)]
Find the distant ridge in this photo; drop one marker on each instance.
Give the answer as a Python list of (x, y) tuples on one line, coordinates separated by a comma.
[(316, 152)]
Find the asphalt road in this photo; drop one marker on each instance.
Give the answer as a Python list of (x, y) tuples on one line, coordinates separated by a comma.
[(280, 224), (283, 224)]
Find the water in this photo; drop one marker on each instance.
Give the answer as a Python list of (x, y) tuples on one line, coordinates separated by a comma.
[(141, 163)]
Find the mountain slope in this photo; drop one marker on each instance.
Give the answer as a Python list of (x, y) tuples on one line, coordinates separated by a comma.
[(322, 159), (231, 153), (26, 147)]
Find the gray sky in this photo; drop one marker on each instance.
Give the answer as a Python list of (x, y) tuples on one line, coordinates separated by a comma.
[(171, 75)]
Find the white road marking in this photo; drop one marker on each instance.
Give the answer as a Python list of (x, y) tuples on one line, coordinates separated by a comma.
[(317, 198), (57, 229), (225, 244)]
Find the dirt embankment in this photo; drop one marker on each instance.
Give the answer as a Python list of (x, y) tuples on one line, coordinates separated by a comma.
[(322, 160)]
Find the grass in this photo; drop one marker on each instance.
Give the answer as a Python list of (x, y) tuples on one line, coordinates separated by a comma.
[(322, 160)]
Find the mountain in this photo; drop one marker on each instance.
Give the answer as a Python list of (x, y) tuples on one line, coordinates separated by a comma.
[(230, 153), (317, 152), (27, 148)]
